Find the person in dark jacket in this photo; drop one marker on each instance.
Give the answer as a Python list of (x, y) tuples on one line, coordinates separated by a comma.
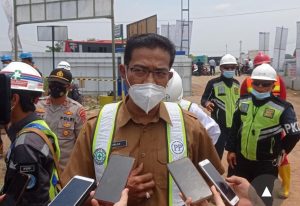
[(220, 97)]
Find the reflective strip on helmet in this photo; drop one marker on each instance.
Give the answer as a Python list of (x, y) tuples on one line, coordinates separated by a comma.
[(177, 147), (103, 137)]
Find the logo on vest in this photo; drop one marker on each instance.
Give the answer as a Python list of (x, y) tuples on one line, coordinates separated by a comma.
[(269, 113), (177, 147), (99, 156)]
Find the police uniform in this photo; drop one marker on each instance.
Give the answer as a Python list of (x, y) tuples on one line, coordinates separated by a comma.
[(147, 144), (65, 120), (29, 154), (223, 92), (256, 135)]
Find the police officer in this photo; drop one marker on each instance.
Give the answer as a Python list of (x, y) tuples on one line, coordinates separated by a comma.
[(144, 127), (255, 142), (63, 115), (29, 153), (220, 97)]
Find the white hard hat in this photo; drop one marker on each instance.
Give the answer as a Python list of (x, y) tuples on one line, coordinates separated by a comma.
[(64, 65), (264, 72), (24, 77), (228, 59), (174, 90)]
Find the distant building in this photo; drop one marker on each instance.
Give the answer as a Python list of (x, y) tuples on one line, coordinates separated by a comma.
[(97, 46)]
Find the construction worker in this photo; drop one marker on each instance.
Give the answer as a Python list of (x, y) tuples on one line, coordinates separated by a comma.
[(174, 93), (220, 97), (144, 127), (26, 57), (279, 90), (34, 147), (6, 59), (255, 142), (64, 116)]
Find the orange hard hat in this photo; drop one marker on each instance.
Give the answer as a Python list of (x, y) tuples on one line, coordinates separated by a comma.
[(261, 58)]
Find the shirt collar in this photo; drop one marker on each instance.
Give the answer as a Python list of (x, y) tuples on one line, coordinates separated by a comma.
[(124, 115)]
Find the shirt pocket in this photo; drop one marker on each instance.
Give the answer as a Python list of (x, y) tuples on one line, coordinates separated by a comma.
[(66, 129), (161, 172)]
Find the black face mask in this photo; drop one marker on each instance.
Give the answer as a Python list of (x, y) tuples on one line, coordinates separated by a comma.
[(57, 90)]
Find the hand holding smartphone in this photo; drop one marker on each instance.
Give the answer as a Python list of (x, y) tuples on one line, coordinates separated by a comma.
[(222, 186), (114, 179), (189, 180), (75, 192)]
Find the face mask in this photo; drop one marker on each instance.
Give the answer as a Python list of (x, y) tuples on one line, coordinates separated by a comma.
[(147, 96), (228, 74), (57, 91), (259, 95)]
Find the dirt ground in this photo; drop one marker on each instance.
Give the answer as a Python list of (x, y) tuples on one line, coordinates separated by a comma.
[(198, 86)]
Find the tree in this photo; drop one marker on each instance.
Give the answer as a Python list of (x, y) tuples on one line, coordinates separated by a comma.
[(58, 47)]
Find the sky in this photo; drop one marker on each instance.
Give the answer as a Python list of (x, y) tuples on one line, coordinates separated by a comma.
[(210, 34)]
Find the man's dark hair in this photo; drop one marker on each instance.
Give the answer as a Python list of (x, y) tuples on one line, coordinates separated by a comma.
[(27, 99), (150, 41)]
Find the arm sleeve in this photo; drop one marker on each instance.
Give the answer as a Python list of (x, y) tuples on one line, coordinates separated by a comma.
[(244, 90), (208, 93), (232, 142), (210, 125), (80, 120), (291, 128)]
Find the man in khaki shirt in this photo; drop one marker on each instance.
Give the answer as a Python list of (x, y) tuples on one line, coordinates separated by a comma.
[(140, 130)]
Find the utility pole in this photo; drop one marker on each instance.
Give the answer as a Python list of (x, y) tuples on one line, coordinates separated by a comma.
[(226, 49)]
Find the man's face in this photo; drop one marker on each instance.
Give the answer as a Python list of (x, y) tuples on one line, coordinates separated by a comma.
[(227, 67), (148, 66), (262, 86)]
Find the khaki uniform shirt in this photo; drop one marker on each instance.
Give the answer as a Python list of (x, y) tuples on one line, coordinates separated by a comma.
[(65, 121), (147, 144)]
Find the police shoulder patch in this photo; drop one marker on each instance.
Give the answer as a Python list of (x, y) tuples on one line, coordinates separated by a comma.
[(244, 107)]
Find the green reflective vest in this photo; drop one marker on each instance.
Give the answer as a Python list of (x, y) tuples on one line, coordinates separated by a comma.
[(226, 98), (258, 123)]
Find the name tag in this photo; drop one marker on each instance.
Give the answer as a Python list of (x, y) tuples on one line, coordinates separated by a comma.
[(122, 143)]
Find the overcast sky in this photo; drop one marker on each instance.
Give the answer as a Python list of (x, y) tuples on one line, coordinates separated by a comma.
[(209, 35)]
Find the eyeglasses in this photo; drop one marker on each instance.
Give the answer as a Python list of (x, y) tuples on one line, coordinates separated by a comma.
[(229, 67), (263, 84), (144, 72)]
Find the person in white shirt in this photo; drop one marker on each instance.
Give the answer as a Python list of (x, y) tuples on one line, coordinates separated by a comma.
[(212, 65), (174, 93)]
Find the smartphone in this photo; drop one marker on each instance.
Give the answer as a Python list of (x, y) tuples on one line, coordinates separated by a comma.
[(5, 95), (75, 192), (222, 186), (189, 180), (15, 190), (114, 179)]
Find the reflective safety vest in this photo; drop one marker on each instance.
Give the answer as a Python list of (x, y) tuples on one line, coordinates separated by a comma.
[(185, 104), (259, 123), (226, 98), (275, 91), (176, 136), (42, 125)]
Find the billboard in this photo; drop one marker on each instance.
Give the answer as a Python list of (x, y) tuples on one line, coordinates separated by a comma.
[(144, 26), (36, 11), (264, 39), (279, 48)]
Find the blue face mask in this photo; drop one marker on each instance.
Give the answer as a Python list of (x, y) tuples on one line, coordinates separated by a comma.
[(228, 74), (259, 95)]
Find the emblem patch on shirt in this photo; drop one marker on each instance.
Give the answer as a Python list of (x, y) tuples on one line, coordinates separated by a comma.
[(40, 110), (99, 156), (244, 107), (221, 90), (177, 147), (67, 124), (32, 182), (236, 91), (66, 133), (269, 113)]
